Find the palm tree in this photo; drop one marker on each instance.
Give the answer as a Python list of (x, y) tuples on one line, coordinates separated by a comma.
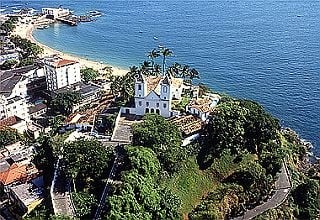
[(153, 55), (194, 74), (175, 70), (185, 71), (132, 72), (156, 70), (166, 52), (146, 67)]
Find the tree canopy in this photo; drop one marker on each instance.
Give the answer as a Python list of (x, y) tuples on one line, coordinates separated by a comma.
[(9, 136), (239, 125), (63, 103), (89, 74), (28, 48), (86, 160), (163, 137), (139, 196)]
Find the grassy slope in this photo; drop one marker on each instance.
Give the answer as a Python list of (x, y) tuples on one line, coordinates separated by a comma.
[(190, 184)]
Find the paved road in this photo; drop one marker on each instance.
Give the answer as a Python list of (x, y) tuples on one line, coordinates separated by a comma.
[(282, 189), (60, 196)]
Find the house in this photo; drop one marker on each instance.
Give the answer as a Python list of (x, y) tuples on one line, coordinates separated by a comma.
[(54, 13), (202, 107), (37, 110), (61, 73), (154, 94), (26, 196), (14, 122)]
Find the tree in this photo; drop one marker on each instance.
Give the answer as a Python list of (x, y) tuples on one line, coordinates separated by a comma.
[(28, 48), (166, 52), (84, 203), (239, 125), (153, 55), (163, 137), (57, 122), (9, 136), (146, 68), (86, 160), (307, 196), (139, 196), (9, 64), (63, 103), (89, 74), (26, 62), (123, 86), (44, 158)]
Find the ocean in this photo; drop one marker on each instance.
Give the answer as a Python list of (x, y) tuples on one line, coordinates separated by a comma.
[(265, 50)]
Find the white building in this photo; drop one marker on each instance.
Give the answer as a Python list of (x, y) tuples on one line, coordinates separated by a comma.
[(155, 95), (202, 107), (61, 73), (54, 13)]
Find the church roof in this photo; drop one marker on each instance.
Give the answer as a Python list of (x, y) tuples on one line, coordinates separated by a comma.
[(153, 84), (166, 80)]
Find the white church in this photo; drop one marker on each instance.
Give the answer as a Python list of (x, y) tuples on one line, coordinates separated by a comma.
[(154, 94)]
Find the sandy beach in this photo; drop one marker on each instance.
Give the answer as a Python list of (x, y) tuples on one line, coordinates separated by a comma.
[(25, 31)]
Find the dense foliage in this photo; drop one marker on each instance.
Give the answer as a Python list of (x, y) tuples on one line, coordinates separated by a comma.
[(63, 103), (9, 25), (9, 136), (88, 74), (8, 64), (239, 125), (29, 49), (139, 196), (86, 161), (163, 137)]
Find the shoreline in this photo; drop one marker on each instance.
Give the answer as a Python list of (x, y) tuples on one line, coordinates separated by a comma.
[(26, 30)]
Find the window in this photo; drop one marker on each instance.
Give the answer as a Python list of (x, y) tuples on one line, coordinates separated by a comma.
[(152, 110), (147, 110), (158, 111), (147, 104), (140, 103), (14, 107), (139, 87), (158, 105), (164, 105), (164, 89)]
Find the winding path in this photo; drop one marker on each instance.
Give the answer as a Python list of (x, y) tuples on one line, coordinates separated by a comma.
[(282, 190)]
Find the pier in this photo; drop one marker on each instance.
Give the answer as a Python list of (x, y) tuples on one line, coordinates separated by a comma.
[(68, 21)]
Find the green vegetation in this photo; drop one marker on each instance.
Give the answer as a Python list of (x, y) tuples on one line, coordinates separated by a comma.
[(29, 49), (190, 184), (87, 162), (9, 25), (139, 196), (89, 74), (162, 137), (63, 103), (9, 136), (9, 64), (181, 105), (84, 203)]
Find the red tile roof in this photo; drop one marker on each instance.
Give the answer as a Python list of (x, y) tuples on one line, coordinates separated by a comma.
[(14, 173), (63, 62)]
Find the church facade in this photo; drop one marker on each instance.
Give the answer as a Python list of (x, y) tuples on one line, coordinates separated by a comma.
[(154, 94)]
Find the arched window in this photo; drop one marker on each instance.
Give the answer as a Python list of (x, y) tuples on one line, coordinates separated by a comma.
[(147, 110), (139, 87), (158, 111), (164, 89), (152, 110)]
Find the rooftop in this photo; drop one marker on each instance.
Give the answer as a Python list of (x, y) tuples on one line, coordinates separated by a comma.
[(14, 173), (28, 193), (58, 62), (10, 121), (37, 107), (188, 124)]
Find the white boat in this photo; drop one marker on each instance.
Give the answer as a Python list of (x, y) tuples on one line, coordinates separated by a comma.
[(155, 38), (2, 9)]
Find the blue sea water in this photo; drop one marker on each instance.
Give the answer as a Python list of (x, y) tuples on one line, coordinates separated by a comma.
[(265, 50)]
